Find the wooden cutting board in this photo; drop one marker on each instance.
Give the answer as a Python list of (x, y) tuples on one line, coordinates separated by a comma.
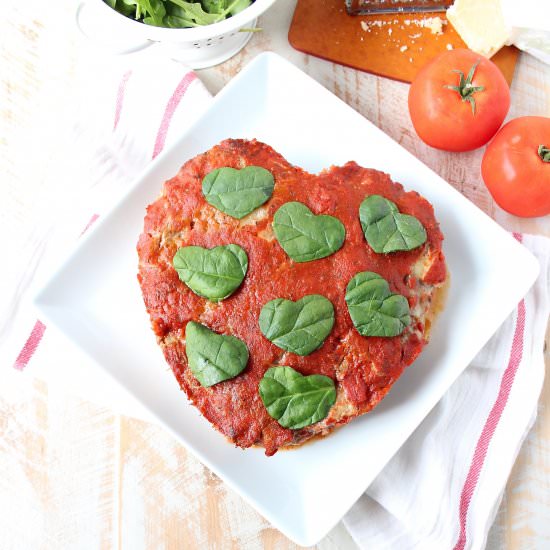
[(391, 45)]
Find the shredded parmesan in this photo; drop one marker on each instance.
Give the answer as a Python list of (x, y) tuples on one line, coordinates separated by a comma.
[(435, 24)]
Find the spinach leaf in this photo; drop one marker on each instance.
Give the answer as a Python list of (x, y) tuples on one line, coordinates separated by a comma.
[(214, 274), (300, 327), (213, 357), (386, 230), (296, 401), (238, 192), (374, 310), (305, 236)]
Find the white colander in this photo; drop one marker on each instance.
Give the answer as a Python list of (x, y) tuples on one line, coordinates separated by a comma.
[(198, 47)]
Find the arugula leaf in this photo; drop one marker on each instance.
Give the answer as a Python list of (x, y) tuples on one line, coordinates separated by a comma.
[(304, 236), (238, 192), (300, 327), (213, 357), (237, 6), (155, 11), (193, 13), (177, 18), (214, 6), (225, 7), (126, 7), (386, 230), (296, 401), (175, 22), (213, 274), (374, 310)]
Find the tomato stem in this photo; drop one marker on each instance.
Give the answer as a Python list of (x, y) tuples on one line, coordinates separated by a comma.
[(544, 153), (465, 88)]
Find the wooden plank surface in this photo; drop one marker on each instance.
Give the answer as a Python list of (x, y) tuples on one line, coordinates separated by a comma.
[(77, 475)]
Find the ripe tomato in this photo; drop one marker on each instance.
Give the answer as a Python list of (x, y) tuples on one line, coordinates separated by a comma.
[(516, 166), (458, 101)]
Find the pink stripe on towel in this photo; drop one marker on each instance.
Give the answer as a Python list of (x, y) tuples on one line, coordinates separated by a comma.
[(491, 424), (30, 346), (169, 111), (120, 97)]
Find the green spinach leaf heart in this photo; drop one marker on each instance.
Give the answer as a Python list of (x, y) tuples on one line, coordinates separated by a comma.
[(386, 229), (304, 236), (374, 310), (294, 400), (300, 327), (213, 357), (211, 273), (238, 192)]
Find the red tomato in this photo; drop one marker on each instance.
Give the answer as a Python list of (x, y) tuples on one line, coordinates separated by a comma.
[(516, 166), (458, 101)]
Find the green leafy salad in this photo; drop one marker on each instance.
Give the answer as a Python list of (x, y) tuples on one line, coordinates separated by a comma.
[(177, 14)]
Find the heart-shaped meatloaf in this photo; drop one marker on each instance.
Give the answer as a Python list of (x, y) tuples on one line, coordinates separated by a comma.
[(321, 292)]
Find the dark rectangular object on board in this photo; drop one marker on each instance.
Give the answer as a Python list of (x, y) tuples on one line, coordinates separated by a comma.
[(366, 7)]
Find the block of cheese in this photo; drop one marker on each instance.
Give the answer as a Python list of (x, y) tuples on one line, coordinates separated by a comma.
[(487, 25), (480, 23)]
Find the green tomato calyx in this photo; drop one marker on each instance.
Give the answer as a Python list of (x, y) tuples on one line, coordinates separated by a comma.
[(465, 88), (544, 153)]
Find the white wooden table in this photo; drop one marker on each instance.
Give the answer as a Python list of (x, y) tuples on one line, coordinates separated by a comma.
[(78, 475)]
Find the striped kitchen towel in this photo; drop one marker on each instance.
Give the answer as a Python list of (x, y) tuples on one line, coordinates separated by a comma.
[(442, 489)]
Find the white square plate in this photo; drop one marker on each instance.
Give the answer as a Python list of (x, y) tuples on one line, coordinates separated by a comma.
[(95, 299)]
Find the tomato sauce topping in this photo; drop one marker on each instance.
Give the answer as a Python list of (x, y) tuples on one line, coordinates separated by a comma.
[(364, 367)]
